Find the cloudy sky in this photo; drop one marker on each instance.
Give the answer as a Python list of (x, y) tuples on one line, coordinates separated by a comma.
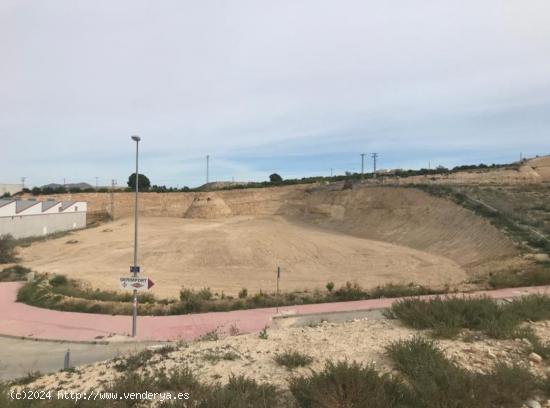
[(293, 86)]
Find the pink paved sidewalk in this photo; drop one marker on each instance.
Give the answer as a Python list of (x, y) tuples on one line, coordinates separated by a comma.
[(20, 320)]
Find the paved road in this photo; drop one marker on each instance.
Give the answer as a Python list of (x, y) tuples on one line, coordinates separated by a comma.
[(17, 319), (20, 357)]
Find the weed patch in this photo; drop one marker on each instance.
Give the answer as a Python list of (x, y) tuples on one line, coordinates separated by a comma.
[(14, 273), (447, 316), (7, 249), (439, 382), (293, 359), (345, 384)]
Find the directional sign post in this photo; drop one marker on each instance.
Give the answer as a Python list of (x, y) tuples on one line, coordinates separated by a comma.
[(130, 283), (135, 268)]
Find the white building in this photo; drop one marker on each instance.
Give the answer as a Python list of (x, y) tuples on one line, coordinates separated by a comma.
[(27, 218)]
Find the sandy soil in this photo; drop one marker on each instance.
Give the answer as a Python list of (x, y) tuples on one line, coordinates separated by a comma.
[(361, 340), (231, 253)]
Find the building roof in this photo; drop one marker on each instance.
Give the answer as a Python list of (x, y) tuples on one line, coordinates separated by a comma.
[(66, 204), (21, 205), (46, 205), (4, 202)]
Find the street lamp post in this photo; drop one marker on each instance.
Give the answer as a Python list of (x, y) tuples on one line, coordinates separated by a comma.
[(135, 269)]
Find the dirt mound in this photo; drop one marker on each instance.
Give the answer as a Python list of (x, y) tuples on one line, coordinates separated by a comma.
[(208, 206)]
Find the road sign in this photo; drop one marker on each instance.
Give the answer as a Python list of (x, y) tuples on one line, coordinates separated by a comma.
[(134, 269), (136, 283)]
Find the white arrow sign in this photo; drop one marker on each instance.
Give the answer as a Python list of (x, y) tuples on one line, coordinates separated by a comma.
[(131, 283)]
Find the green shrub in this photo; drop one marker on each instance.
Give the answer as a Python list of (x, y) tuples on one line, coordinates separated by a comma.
[(210, 336), (186, 294), (243, 293), (392, 290), (263, 334), (532, 307), (447, 316), (59, 280), (134, 361), (205, 294), (343, 384), (215, 356), (14, 273), (7, 249), (350, 291), (30, 377), (512, 279), (439, 382), (293, 359), (330, 286), (239, 392)]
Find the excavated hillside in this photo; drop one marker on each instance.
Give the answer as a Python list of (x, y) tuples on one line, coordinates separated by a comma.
[(411, 218), (398, 215), (227, 240), (481, 222)]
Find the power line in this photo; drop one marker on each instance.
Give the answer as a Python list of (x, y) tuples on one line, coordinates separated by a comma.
[(113, 184), (363, 164), (374, 156)]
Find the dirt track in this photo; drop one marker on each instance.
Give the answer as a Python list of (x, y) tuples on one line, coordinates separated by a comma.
[(231, 253)]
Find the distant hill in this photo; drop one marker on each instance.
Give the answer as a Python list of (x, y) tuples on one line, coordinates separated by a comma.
[(70, 186)]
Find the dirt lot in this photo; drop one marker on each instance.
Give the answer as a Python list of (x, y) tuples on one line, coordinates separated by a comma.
[(228, 254)]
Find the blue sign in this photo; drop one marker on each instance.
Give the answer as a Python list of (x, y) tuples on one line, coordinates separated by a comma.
[(134, 269)]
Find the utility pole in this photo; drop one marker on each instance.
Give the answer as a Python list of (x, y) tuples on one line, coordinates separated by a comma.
[(331, 172), (278, 278), (374, 156), (207, 168), (135, 268), (363, 164), (113, 184), (23, 183), (96, 182)]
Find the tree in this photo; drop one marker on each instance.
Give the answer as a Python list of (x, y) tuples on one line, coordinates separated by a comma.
[(275, 178), (143, 182)]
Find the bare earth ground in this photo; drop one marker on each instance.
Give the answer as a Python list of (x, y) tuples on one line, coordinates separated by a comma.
[(361, 340), (228, 254)]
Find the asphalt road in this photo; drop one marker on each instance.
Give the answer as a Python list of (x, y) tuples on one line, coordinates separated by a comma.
[(19, 357)]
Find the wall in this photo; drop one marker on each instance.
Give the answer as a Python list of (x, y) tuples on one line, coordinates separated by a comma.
[(42, 224)]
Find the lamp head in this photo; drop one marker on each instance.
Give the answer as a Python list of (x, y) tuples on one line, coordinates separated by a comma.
[(136, 138)]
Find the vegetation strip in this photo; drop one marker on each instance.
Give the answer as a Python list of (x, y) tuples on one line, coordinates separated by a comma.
[(447, 317), (61, 293)]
